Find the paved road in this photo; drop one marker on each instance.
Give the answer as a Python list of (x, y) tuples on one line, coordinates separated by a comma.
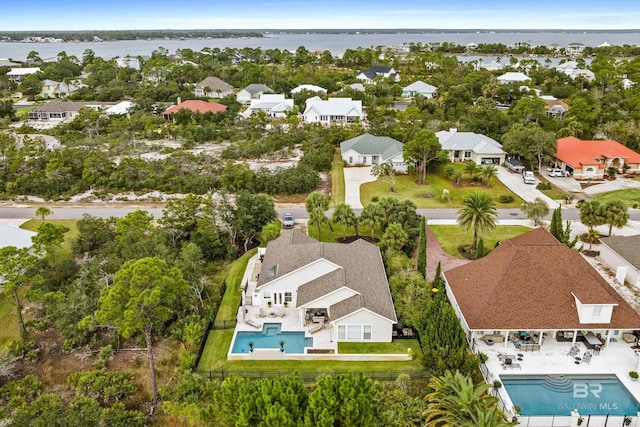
[(301, 213)]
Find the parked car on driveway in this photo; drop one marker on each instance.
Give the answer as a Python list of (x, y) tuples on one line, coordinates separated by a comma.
[(514, 165), (557, 172), (288, 221), (529, 177)]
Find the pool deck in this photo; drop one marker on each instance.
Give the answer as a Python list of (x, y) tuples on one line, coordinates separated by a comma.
[(552, 359)]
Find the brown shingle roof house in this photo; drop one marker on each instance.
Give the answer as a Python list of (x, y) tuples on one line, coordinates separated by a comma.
[(533, 282), (347, 283)]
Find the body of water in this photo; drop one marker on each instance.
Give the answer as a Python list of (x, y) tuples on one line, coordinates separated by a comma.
[(336, 43)]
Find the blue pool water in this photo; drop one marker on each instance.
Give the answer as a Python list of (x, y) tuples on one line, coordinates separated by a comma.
[(560, 394), (270, 337)]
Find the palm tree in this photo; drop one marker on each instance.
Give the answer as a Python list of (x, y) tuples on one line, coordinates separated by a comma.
[(488, 172), (592, 214), (42, 212), (343, 214), (479, 213), (372, 215), (616, 214), (395, 237), (456, 401), (471, 168), (317, 218)]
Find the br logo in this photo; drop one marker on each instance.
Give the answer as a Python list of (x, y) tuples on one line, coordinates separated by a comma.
[(582, 390)]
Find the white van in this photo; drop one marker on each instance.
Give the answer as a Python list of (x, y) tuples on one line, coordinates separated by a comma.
[(529, 177)]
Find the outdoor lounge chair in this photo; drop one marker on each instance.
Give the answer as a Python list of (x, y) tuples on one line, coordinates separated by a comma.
[(316, 328), (506, 365), (262, 313), (281, 313), (253, 323)]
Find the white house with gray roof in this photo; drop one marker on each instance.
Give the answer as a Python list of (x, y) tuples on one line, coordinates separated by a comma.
[(332, 111), (253, 91), (513, 77), (465, 146), (419, 88), (273, 105), (622, 255), (370, 150), (345, 284)]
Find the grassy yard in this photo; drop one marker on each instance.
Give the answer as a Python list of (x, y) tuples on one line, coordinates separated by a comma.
[(70, 224), (406, 188), (555, 193), (215, 354), (337, 180), (232, 296), (452, 236), (23, 113), (330, 236), (393, 347), (630, 196)]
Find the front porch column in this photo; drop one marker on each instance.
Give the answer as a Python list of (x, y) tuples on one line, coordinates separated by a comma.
[(540, 335), (575, 337), (301, 310), (608, 337), (506, 338)]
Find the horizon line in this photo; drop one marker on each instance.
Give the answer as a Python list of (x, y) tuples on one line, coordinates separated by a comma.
[(617, 30)]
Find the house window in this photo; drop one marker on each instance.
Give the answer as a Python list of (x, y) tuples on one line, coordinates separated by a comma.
[(342, 332), (288, 297), (266, 294), (350, 160), (354, 332), (597, 309), (456, 154), (364, 160), (467, 154), (367, 332)]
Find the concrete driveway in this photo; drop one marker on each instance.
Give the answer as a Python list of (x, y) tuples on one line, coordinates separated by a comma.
[(619, 183), (528, 192), (353, 178)]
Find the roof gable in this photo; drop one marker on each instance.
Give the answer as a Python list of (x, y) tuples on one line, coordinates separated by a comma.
[(626, 247), (506, 290), (215, 84), (361, 269), (480, 144)]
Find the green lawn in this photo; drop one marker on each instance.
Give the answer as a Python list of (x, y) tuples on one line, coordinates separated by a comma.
[(393, 347), (555, 193), (330, 236), (452, 236), (232, 296), (215, 354), (9, 318), (406, 188), (23, 113), (70, 224), (630, 196), (337, 180)]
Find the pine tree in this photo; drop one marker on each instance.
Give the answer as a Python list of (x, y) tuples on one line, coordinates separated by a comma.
[(422, 249), (555, 228), (480, 248)]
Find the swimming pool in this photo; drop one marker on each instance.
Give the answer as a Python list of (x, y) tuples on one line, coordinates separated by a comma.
[(560, 394), (270, 337)]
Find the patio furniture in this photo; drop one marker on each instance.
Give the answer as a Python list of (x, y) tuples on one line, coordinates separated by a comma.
[(511, 366), (590, 340), (317, 319), (262, 313), (586, 358), (629, 338), (316, 328), (281, 313), (574, 351), (502, 357), (253, 323)]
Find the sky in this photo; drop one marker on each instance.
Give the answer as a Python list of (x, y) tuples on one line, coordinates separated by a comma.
[(46, 15)]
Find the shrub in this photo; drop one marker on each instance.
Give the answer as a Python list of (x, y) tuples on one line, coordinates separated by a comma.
[(543, 186), (633, 374), (497, 384), (374, 199), (506, 198)]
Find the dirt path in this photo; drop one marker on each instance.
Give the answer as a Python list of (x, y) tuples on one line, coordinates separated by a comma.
[(436, 254)]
